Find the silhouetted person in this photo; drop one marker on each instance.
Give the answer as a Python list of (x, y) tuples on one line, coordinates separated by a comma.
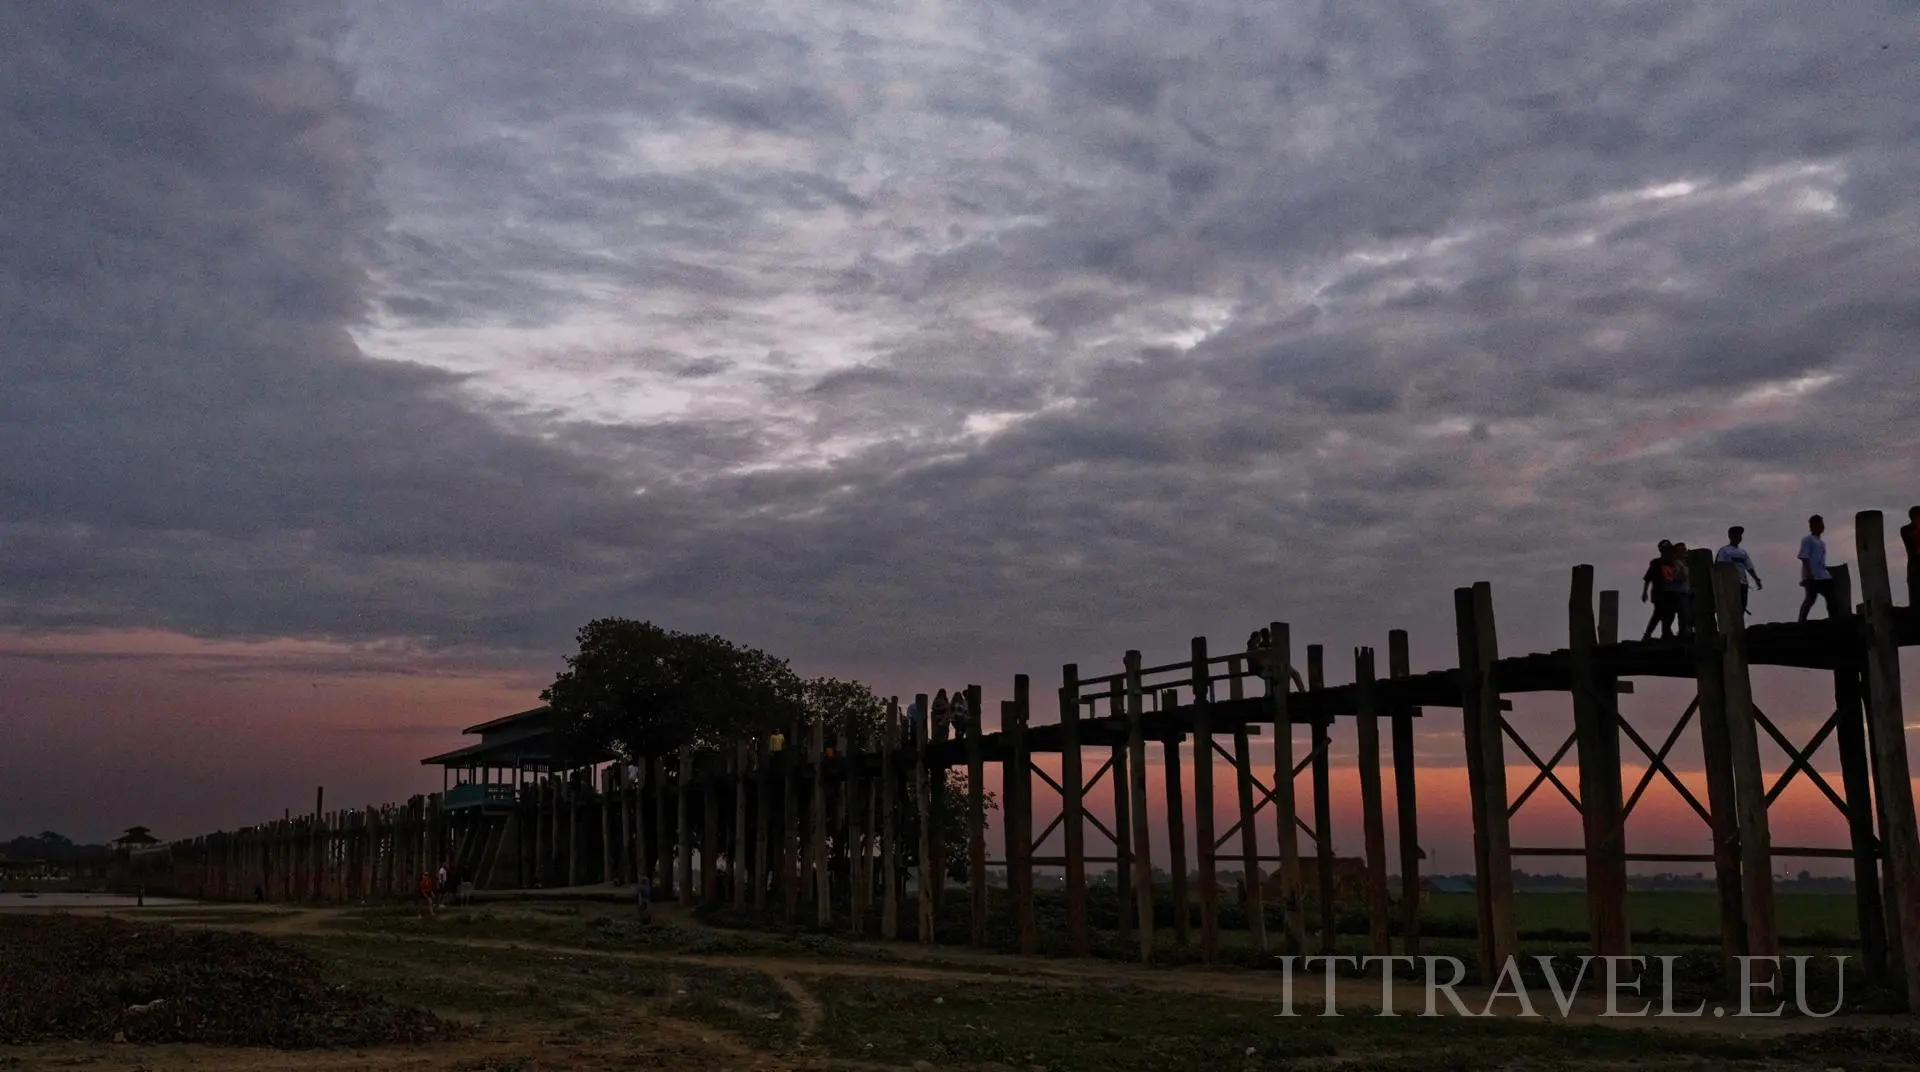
[(1813, 568), (1909, 534), (962, 715), (1736, 554), (1653, 588), (1680, 591), (1259, 643)]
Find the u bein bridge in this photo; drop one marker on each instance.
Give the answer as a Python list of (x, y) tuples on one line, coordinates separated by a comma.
[(818, 824)]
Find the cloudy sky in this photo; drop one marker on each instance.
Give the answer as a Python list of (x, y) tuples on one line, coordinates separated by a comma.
[(356, 353)]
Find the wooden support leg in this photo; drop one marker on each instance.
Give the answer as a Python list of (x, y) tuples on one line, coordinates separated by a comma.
[(1597, 737), (1900, 841), (1137, 798), (1405, 802), (1073, 803), (976, 822), (889, 825), (1205, 839), (1750, 790), (1286, 810), (1322, 803), (1249, 844), (1177, 844), (1373, 815)]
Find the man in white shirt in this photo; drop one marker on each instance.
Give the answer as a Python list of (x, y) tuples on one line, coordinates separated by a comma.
[(1813, 568), (1736, 554)]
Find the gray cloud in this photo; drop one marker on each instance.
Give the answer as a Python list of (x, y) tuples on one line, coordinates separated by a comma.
[(1041, 333)]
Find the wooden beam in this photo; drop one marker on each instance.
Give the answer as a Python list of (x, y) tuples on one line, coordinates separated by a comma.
[(683, 840), (923, 808), (1472, 728), (1249, 844), (1899, 839), (1494, 779), (822, 868)]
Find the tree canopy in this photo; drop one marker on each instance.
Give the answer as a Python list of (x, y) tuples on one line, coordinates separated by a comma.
[(642, 690)]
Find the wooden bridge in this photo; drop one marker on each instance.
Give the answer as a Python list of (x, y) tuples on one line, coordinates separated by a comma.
[(819, 823)]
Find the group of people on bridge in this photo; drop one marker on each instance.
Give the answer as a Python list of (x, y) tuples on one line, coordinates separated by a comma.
[(1668, 586)]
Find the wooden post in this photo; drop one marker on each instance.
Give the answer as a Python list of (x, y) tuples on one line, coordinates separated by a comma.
[(976, 819), (763, 822), (1493, 741), (1204, 836), (1717, 753), (1137, 794), (1856, 774), (1322, 800), (1249, 844), (923, 809), (1286, 811), (1073, 809), (792, 867), (1899, 839), (822, 873), (889, 825), (1407, 823), (1373, 813), (1122, 819), (737, 865), (856, 830), (664, 826), (1472, 727), (683, 843), (1020, 819), (1597, 737), (608, 874), (1177, 835), (1750, 787), (626, 864)]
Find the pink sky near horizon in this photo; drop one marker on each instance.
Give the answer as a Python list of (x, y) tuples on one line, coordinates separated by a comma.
[(187, 736)]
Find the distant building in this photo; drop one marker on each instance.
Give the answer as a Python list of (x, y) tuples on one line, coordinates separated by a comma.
[(136, 837)]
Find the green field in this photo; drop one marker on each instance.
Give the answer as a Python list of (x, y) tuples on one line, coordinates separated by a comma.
[(1677, 914)]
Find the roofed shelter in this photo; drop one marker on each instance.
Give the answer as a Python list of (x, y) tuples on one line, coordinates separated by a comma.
[(510, 748)]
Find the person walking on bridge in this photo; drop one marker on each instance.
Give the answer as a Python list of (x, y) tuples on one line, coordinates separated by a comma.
[(1736, 554), (1653, 588), (1813, 568), (1910, 539)]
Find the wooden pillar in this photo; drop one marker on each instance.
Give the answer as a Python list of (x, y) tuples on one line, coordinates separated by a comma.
[(1717, 753), (1856, 774), (923, 813), (856, 829), (664, 826), (737, 860), (1177, 836), (1286, 811), (683, 829), (1254, 902), (791, 867), (1750, 787), (822, 872), (1373, 813), (889, 824), (1020, 868), (1204, 836), (976, 820), (1597, 737), (1486, 776), (1137, 799), (1899, 839), (1122, 816), (1405, 801), (1322, 800), (1073, 809)]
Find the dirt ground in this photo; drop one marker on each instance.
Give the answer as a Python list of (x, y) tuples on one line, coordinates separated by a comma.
[(584, 986)]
